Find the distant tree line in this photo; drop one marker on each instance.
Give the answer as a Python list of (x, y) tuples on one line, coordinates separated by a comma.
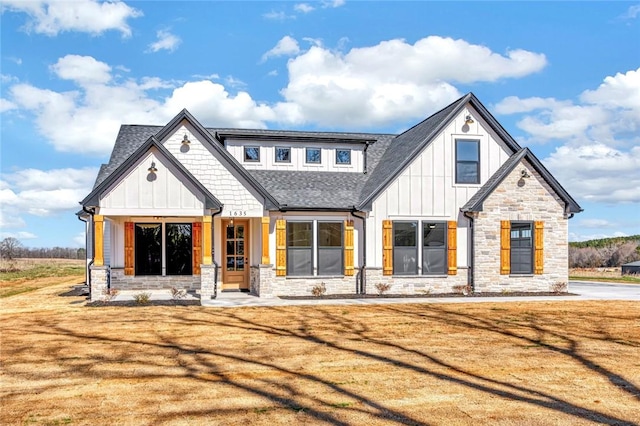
[(604, 252), (12, 248)]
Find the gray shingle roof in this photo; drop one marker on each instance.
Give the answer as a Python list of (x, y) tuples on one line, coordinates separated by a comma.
[(387, 157)]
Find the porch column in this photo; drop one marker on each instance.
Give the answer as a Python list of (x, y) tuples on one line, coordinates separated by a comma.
[(265, 240), (98, 233), (206, 240)]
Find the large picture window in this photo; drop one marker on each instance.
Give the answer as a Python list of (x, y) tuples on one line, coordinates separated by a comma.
[(178, 248), (434, 248), (330, 248), (405, 248), (521, 248), (299, 248), (467, 161), (149, 248), (148, 244)]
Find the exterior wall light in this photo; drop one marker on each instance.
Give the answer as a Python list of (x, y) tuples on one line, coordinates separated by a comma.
[(152, 169), (185, 140), (468, 120), (524, 173)]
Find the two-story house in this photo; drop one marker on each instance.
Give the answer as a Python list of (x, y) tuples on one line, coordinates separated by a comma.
[(452, 203)]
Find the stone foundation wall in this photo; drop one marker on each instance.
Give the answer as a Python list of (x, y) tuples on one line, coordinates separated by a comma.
[(524, 199), (120, 281), (416, 284), (99, 282), (261, 280), (208, 282)]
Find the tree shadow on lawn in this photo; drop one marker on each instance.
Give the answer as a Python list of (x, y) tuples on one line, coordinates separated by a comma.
[(207, 363)]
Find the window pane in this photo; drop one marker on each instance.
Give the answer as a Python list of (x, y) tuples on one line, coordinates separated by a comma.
[(404, 234), (330, 261), (229, 232), (433, 234), (239, 247), (299, 234), (343, 156), (467, 172), (239, 263), (405, 260), (299, 261), (251, 153), (179, 248), (467, 150), (434, 261), (240, 231), (231, 263), (148, 249), (313, 155), (230, 247), (521, 248), (329, 234), (283, 155)]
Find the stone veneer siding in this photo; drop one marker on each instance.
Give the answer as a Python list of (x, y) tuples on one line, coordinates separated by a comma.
[(120, 281), (99, 282), (513, 201), (416, 284)]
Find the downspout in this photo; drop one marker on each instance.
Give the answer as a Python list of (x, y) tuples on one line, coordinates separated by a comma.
[(471, 269), (363, 267), (213, 258), (93, 249), (364, 162)]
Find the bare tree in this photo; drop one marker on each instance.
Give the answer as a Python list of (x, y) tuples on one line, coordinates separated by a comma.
[(10, 248)]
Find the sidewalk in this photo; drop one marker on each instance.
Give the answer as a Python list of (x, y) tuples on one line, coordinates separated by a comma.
[(239, 299)]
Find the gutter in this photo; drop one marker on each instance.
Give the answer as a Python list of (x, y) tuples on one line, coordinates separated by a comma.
[(363, 281), (87, 271)]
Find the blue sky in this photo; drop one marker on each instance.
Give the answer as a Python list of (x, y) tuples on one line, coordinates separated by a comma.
[(562, 77)]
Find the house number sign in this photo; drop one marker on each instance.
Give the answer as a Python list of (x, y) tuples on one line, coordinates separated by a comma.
[(237, 213)]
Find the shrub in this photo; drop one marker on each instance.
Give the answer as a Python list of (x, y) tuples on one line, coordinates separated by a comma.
[(382, 288), (142, 298), (462, 289), (559, 287), (177, 294), (319, 289), (109, 294)]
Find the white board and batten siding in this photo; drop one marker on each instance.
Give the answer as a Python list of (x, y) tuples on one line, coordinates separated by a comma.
[(142, 193), (225, 183), (298, 156), (426, 188)]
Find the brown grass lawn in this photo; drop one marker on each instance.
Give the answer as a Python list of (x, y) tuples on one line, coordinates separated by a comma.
[(527, 363)]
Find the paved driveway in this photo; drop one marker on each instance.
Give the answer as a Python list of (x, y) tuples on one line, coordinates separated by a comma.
[(605, 291)]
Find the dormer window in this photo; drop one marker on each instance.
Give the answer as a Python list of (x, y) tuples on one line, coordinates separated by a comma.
[(313, 156), (252, 154), (343, 156), (283, 154)]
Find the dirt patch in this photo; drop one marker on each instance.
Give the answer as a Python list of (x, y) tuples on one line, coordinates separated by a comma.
[(526, 363)]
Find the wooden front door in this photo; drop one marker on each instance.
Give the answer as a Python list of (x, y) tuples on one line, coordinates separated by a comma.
[(235, 264)]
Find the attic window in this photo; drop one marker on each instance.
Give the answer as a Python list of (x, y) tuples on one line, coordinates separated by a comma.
[(312, 156), (252, 154), (343, 156), (467, 161), (283, 154)]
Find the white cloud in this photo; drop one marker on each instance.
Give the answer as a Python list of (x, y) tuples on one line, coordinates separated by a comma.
[(303, 8), (89, 16), (605, 115), (80, 239), (6, 105), (83, 70), (596, 223), (394, 79), (286, 46), (333, 3), (166, 41), (370, 86), (632, 13), (596, 172), (41, 193), (277, 16), (22, 235)]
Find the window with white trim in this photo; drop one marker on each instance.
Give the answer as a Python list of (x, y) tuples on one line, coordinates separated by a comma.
[(467, 161)]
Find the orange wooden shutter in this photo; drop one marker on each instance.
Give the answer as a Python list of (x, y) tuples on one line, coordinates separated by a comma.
[(348, 247), (452, 244), (281, 248), (128, 248), (387, 247), (538, 247), (505, 247), (196, 238)]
